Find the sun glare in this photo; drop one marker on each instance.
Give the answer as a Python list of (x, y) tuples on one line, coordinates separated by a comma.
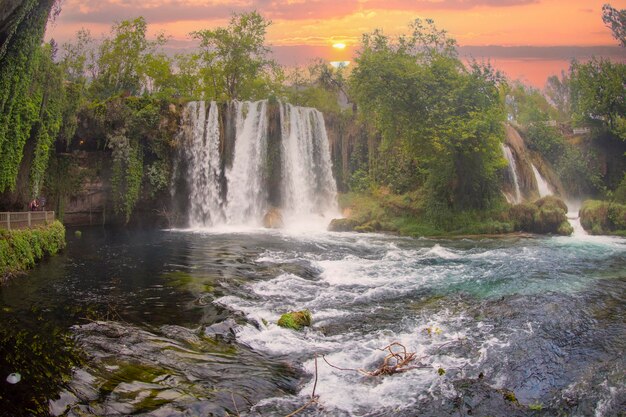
[(339, 45)]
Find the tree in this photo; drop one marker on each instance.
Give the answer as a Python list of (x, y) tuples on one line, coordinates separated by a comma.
[(236, 59), (120, 62), (598, 90), (426, 103), (558, 91), (616, 21)]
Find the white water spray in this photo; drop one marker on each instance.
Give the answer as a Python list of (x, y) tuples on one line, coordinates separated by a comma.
[(542, 185), (247, 198), (308, 186), (202, 151), (238, 195), (508, 154)]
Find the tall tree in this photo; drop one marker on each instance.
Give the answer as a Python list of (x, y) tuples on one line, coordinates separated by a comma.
[(615, 20), (121, 59), (598, 90), (236, 60)]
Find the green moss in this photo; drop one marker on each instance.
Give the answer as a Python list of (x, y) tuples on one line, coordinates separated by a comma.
[(546, 215), (20, 249), (603, 217), (509, 396), (536, 406), (295, 319)]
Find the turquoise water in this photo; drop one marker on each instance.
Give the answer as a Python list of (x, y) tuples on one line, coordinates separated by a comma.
[(129, 319)]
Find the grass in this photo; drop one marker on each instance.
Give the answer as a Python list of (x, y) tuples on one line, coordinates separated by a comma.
[(404, 214)]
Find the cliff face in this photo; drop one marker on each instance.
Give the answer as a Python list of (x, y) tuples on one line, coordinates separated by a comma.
[(525, 160)]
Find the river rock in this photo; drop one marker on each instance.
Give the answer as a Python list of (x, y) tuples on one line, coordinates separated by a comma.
[(226, 330), (273, 219), (295, 319), (342, 225)]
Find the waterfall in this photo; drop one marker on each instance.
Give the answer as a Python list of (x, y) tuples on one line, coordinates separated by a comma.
[(308, 186), (508, 154), (542, 184), (202, 152), (572, 214), (247, 196), (234, 179)]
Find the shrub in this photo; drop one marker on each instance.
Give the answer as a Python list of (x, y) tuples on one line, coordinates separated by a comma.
[(603, 217), (20, 249)]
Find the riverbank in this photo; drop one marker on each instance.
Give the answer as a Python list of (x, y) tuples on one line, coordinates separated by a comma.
[(21, 249), (379, 210)]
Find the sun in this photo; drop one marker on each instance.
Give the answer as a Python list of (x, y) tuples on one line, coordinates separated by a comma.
[(339, 45)]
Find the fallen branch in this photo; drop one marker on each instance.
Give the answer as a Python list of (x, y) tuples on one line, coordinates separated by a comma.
[(395, 362), (313, 399)]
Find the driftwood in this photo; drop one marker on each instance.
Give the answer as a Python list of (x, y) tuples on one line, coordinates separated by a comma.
[(398, 360)]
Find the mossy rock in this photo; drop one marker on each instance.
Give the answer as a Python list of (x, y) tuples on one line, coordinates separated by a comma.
[(295, 320), (343, 225), (565, 229), (603, 217), (552, 202), (523, 216)]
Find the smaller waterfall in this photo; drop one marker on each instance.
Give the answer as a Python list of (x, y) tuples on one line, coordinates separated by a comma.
[(573, 207), (542, 184), (508, 154)]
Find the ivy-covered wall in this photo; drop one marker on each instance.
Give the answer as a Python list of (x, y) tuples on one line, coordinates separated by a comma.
[(21, 106)]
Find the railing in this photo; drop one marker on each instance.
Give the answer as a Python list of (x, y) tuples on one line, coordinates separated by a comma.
[(24, 219)]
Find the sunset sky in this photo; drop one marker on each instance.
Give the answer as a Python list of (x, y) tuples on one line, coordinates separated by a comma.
[(305, 29)]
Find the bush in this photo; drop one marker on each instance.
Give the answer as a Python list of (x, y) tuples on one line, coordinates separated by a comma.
[(20, 249), (546, 215), (603, 217)]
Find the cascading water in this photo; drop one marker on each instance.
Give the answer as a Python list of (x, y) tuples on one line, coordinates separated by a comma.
[(508, 154), (542, 184), (572, 215), (295, 176), (202, 152), (247, 197), (308, 187)]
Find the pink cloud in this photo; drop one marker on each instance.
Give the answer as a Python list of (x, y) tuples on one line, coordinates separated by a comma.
[(164, 11)]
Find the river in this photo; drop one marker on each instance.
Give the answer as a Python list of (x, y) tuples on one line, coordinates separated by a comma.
[(542, 318)]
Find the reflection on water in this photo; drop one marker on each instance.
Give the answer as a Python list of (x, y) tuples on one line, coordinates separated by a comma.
[(183, 323)]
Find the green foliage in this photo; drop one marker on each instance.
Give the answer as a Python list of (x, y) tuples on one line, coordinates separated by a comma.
[(546, 215), (619, 195), (235, 58), (20, 249), (406, 214), (48, 85), (598, 88), (18, 110), (295, 320), (615, 20), (603, 217), (123, 60), (446, 119), (127, 173)]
